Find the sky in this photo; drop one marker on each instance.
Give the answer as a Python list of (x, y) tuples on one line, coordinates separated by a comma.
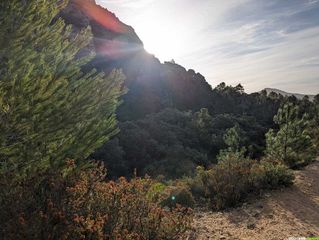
[(258, 43)]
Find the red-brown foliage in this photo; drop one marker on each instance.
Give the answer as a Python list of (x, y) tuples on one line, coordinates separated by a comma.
[(80, 204)]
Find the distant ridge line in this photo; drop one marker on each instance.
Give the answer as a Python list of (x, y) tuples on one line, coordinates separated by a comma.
[(287, 94)]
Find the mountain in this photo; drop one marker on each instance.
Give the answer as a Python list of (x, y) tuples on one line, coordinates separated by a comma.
[(152, 85), (163, 126), (287, 94)]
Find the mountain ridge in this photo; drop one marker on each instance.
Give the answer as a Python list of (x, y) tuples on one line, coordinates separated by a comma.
[(287, 94), (152, 85)]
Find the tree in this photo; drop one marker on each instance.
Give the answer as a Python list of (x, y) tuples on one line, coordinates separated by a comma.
[(50, 109), (240, 89), (292, 143), (220, 87), (233, 138), (315, 122), (203, 122), (202, 119)]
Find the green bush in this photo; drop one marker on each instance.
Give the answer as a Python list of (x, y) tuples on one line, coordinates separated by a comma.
[(233, 178), (271, 175), (173, 196), (229, 181), (196, 183), (155, 192)]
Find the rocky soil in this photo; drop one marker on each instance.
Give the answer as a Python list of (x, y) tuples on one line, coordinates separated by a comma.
[(280, 214)]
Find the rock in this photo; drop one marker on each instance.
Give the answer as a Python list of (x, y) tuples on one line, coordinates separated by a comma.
[(251, 225)]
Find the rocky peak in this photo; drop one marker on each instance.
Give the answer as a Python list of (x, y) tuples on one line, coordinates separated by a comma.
[(152, 86), (112, 38)]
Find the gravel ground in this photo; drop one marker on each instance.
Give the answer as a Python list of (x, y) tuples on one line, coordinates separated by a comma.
[(280, 214)]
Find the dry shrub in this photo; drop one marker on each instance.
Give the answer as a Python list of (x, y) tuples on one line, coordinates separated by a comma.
[(233, 178), (271, 175), (229, 182), (80, 204)]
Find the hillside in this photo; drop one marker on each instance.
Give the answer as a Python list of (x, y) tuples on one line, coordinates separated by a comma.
[(100, 140), (152, 85), (291, 212), (287, 94), (157, 114)]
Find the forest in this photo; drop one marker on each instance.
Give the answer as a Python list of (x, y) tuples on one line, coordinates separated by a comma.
[(93, 147)]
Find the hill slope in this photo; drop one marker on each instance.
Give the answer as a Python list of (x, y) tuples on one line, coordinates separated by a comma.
[(152, 85), (291, 212), (287, 94)]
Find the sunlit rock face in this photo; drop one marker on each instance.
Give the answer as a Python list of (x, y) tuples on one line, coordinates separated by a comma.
[(112, 39), (152, 86)]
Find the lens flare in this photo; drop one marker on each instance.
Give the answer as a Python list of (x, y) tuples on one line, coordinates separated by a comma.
[(101, 16), (117, 46)]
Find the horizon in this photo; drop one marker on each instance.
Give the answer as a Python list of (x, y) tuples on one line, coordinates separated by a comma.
[(248, 41)]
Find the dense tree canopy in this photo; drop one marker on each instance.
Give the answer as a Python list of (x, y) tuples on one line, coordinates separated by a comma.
[(49, 109)]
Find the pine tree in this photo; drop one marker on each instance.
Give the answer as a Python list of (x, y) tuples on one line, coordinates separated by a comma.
[(50, 109), (234, 139), (315, 122), (292, 143)]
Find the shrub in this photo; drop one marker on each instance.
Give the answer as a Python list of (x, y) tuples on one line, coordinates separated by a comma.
[(233, 178), (196, 183), (271, 175), (228, 182), (155, 192), (79, 204), (173, 196)]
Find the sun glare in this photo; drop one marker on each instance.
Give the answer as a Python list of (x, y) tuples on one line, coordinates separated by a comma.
[(164, 38)]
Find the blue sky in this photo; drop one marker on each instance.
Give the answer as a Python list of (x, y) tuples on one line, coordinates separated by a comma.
[(259, 43)]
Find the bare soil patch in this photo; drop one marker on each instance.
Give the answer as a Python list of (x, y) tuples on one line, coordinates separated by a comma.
[(280, 214)]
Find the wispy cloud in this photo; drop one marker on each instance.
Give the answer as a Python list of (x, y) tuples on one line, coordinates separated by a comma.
[(258, 43)]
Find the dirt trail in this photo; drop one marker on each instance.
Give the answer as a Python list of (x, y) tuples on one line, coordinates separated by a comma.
[(291, 212)]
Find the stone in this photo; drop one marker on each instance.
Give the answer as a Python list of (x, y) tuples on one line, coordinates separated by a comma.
[(251, 225)]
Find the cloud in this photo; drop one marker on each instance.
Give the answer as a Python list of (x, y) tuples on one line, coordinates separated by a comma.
[(260, 48), (258, 43), (291, 64)]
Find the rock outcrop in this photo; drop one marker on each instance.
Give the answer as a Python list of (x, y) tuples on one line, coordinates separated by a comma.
[(152, 85)]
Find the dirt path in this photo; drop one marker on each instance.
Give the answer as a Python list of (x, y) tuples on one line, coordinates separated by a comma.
[(291, 212)]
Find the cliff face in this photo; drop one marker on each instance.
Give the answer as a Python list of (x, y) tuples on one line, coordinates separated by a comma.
[(152, 85), (112, 39)]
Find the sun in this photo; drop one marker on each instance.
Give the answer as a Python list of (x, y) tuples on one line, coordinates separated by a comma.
[(161, 37)]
